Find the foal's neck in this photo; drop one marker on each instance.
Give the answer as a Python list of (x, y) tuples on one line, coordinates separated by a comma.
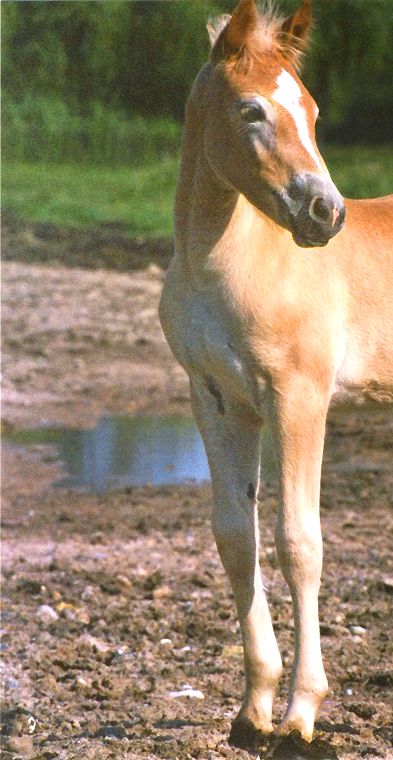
[(215, 226), (217, 229)]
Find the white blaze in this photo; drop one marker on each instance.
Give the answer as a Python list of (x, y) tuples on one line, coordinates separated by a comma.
[(288, 94)]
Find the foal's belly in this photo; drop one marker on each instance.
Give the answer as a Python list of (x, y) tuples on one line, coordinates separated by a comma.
[(365, 370)]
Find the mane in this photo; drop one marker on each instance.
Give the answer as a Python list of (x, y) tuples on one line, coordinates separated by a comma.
[(268, 37)]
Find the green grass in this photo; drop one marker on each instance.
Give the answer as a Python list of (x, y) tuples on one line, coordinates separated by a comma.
[(361, 171), (142, 198), (82, 196)]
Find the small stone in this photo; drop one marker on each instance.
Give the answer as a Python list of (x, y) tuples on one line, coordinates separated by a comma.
[(161, 592), (82, 684), (82, 616), (23, 745), (363, 711), (187, 692), (124, 581), (348, 692), (70, 726), (357, 630), (98, 644), (71, 612), (89, 592), (166, 642), (122, 654), (11, 683), (46, 613), (97, 537), (112, 732)]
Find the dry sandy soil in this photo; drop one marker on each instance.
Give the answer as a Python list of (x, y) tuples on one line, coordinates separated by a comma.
[(139, 605)]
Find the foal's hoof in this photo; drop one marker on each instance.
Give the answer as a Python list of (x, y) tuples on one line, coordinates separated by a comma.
[(293, 747), (247, 736)]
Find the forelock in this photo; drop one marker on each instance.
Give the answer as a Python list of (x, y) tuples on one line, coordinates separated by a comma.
[(267, 37)]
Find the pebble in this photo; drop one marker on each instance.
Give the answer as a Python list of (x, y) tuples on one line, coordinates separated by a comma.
[(124, 581), (187, 692), (46, 613), (23, 745), (110, 731), (98, 644), (161, 592), (166, 642), (357, 630), (83, 685), (89, 592), (122, 654), (74, 613)]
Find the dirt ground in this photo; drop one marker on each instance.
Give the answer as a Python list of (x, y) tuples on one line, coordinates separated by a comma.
[(114, 603)]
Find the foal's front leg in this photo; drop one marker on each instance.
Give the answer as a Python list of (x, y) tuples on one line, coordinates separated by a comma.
[(232, 440), (300, 410)]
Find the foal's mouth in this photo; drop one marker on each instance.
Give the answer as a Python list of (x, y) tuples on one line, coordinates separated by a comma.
[(309, 236), (303, 242), (312, 209)]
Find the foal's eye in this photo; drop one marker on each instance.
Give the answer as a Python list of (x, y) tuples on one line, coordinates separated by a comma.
[(252, 113)]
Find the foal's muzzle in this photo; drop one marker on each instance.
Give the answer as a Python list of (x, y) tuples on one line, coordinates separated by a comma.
[(316, 209)]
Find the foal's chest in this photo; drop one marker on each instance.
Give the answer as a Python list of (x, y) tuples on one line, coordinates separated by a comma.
[(210, 343)]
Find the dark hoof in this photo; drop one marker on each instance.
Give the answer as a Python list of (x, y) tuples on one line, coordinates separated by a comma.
[(293, 747), (246, 736)]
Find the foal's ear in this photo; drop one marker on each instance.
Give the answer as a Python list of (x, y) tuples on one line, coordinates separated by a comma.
[(295, 32), (228, 34), (217, 25)]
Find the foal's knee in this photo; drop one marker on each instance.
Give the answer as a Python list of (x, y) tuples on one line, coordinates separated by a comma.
[(236, 542), (299, 550)]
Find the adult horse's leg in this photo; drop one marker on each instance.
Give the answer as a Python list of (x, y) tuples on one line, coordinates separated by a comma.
[(300, 410), (232, 440)]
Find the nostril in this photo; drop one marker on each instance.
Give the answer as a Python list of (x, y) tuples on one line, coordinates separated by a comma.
[(320, 210)]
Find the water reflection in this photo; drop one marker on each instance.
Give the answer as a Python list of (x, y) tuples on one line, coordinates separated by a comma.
[(134, 451), (123, 451)]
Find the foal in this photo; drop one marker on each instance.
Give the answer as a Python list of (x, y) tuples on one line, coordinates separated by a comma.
[(268, 329)]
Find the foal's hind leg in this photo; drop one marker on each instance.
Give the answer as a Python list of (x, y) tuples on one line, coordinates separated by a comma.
[(232, 439), (300, 415)]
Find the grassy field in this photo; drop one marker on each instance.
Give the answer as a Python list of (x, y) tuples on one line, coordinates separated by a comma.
[(82, 196), (141, 198)]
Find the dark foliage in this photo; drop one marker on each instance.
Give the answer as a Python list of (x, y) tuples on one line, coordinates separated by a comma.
[(141, 57)]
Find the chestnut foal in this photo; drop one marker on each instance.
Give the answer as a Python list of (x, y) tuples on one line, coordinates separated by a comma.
[(268, 329)]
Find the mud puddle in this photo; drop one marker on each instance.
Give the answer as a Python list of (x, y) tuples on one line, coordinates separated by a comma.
[(150, 450), (125, 451)]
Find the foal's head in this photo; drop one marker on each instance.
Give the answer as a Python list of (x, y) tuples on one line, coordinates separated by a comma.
[(259, 135)]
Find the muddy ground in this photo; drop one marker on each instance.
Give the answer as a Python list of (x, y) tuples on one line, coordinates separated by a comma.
[(113, 602)]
